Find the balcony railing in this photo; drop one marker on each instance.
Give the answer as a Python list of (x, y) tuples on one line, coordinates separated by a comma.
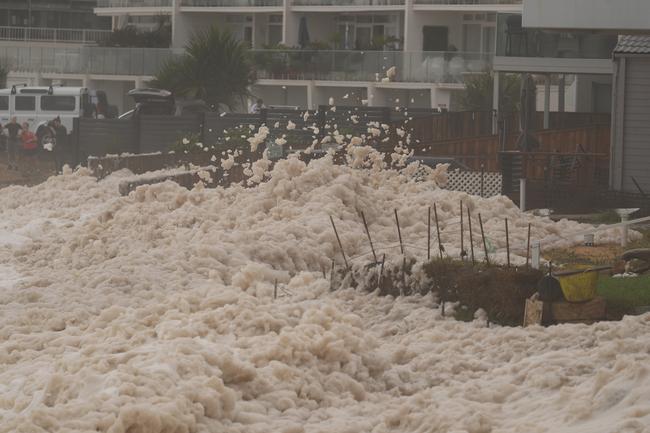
[(468, 2), (513, 40), (86, 60), (348, 2), (410, 66), (44, 34), (232, 3), (134, 3)]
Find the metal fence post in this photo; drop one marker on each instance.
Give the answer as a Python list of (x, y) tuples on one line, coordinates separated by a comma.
[(522, 194), (75, 140)]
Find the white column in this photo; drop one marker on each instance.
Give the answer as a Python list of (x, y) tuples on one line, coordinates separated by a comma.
[(139, 83), (561, 94), (371, 91), (410, 33), (87, 82), (522, 195), (312, 102), (290, 22), (547, 101), (181, 26), (39, 79)]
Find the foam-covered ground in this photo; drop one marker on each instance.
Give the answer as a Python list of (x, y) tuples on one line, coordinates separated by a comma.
[(154, 313)]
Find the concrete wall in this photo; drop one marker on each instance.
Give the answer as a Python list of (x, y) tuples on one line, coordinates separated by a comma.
[(355, 95), (277, 95), (587, 14)]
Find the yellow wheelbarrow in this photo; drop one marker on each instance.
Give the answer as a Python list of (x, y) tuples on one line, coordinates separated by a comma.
[(580, 285)]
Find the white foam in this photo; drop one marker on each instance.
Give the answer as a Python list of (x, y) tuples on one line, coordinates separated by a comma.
[(155, 313)]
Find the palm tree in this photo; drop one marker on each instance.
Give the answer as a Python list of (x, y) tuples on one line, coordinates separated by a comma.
[(215, 68)]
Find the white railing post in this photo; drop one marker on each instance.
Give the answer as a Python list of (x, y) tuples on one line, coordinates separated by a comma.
[(624, 231), (536, 254)]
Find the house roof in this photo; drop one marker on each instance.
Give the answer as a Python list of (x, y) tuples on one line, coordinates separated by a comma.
[(633, 45)]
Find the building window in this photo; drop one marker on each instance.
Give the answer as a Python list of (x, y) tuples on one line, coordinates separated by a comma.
[(364, 32), (479, 33), (4, 103), (241, 27), (58, 103), (25, 103), (274, 34)]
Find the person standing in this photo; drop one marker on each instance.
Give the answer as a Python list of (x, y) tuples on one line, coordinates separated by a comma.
[(61, 140), (13, 141), (29, 139), (257, 107)]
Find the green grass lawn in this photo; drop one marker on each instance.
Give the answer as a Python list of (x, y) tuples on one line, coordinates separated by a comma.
[(625, 293)]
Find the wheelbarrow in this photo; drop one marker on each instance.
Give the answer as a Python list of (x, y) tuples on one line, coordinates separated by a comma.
[(580, 285)]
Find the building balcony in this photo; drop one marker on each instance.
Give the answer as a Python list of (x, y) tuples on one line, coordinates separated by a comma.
[(45, 34), (134, 3), (469, 5), (231, 3), (138, 7), (347, 5), (369, 66), (128, 62), (521, 49)]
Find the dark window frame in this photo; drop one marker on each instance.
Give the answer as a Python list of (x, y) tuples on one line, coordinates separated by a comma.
[(46, 98), (25, 98)]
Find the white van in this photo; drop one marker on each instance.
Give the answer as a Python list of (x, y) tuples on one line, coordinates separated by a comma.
[(39, 105)]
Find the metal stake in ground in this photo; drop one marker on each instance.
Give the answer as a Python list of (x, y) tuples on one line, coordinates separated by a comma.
[(463, 253), (275, 290), (528, 246), (440, 247), (381, 270), (403, 287), (340, 244), (471, 238), (365, 225), (507, 243), (429, 234), (399, 233), (487, 258)]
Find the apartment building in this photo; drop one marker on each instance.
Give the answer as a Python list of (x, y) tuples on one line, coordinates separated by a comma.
[(54, 14), (309, 51), (568, 45)]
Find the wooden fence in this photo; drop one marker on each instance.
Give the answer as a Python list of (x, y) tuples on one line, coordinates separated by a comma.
[(483, 152), (464, 124)]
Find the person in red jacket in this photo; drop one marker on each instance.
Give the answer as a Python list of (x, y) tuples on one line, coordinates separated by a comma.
[(29, 140)]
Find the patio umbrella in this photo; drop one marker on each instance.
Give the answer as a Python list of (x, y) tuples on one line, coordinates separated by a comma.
[(303, 33)]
